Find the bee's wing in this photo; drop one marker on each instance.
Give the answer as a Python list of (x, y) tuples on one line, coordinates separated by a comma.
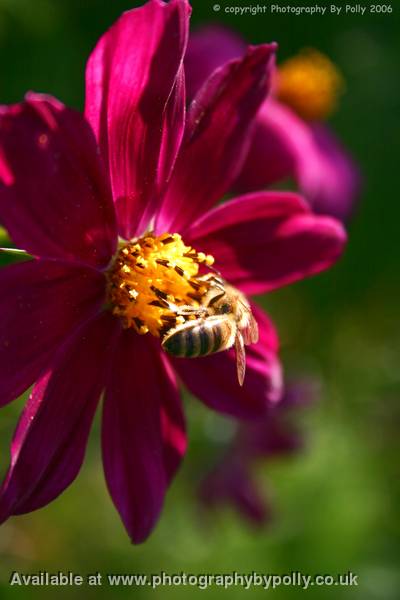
[(250, 329), (253, 330), (240, 357)]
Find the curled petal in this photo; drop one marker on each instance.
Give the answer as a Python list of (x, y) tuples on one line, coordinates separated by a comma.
[(143, 432), (50, 440), (265, 240), (135, 104), (217, 131), (42, 303), (54, 196)]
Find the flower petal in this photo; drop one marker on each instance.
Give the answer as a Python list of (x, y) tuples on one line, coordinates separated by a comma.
[(278, 138), (213, 379), (283, 145), (143, 432), (135, 104), (209, 48), (54, 197), (332, 182), (41, 304), (276, 433), (273, 435), (49, 443), (216, 137), (265, 240), (231, 482)]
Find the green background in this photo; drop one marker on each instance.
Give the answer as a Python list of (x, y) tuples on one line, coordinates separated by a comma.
[(336, 504)]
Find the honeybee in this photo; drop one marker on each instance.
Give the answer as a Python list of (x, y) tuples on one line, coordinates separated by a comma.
[(224, 319)]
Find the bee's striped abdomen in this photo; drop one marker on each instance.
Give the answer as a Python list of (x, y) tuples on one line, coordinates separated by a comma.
[(174, 344), (210, 337), (199, 338)]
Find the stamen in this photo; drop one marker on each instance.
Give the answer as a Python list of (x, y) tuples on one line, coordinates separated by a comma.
[(310, 84), (180, 271), (153, 276), (159, 303), (162, 262), (159, 293), (167, 240)]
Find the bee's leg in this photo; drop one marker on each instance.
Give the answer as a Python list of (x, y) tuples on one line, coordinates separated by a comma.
[(212, 278), (186, 310)]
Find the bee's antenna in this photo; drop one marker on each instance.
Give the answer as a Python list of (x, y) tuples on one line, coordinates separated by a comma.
[(214, 270)]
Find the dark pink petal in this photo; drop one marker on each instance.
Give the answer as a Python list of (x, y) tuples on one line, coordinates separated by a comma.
[(41, 304), (216, 136), (283, 145), (50, 440), (143, 432), (276, 432), (232, 483), (209, 48), (273, 435), (265, 240), (300, 393), (54, 196), (333, 183), (250, 209), (213, 379), (279, 138), (135, 104)]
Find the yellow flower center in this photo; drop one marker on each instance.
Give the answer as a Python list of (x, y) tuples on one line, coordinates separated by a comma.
[(310, 84), (150, 277)]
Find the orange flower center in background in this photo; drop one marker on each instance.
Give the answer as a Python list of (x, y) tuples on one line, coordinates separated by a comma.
[(310, 84), (151, 276)]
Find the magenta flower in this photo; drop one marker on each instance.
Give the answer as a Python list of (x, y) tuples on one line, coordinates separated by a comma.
[(290, 138), (232, 480), (110, 206)]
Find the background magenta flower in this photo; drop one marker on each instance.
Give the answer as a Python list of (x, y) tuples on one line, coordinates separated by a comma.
[(283, 143), (232, 480), (70, 185)]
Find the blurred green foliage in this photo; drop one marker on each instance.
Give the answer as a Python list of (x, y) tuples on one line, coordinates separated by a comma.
[(336, 504)]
